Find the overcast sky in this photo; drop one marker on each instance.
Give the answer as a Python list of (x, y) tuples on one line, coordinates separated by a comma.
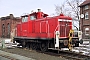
[(19, 7)]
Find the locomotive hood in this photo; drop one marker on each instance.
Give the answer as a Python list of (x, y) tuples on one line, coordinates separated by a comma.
[(62, 16)]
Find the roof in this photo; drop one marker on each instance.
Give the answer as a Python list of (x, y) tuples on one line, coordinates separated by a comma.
[(85, 3)]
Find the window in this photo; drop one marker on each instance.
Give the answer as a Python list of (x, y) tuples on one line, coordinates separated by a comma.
[(86, 7), (8, 30), (8, 27), (32, 18), (3, 30), (86, 15), (86, 31), (24, 19)]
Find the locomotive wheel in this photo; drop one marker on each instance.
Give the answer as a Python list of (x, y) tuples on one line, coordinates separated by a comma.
[(33, 46), (30, 45), (27, 46), (23, 44), (77, 44), (43, 47)]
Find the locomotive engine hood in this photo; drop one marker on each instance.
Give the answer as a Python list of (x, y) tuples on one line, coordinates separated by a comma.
[(62, 16)]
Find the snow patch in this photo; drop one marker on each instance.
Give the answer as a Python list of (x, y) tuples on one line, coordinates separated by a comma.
[(8, 41)]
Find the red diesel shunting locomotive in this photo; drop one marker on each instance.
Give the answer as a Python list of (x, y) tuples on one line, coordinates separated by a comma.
[(39, 31)]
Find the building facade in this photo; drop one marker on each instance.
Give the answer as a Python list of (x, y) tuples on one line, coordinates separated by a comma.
[(7, 24), (85, 18)]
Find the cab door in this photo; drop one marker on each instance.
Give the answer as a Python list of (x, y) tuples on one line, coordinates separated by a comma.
[(24, 26)]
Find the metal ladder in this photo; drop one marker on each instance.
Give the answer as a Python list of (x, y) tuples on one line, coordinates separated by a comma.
[(70, 46)]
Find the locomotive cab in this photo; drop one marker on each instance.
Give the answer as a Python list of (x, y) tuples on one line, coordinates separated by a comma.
[(34, 16)]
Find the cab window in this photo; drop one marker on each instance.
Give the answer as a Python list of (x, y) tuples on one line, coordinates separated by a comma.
[(32, 17), (24, 19)]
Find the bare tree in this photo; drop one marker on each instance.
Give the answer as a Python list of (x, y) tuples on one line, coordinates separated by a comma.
[(70, 8), (74, 7)]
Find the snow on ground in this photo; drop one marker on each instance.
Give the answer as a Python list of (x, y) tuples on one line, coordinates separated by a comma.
[(84, 48), (7, 43)]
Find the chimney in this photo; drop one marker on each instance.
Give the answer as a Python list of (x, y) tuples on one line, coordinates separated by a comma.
[(11, 16), (39, 10)]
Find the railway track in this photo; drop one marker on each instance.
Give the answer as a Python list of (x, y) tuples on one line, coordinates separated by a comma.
[(74, 55), (64, 54), (68, 55), (8, 57)]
